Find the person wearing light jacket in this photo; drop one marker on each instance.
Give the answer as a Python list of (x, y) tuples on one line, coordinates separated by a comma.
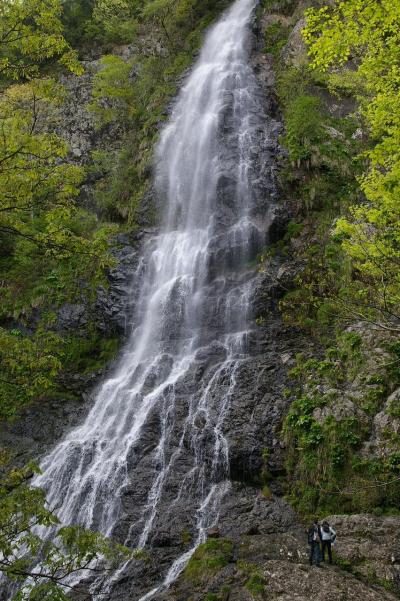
[(328, 536)]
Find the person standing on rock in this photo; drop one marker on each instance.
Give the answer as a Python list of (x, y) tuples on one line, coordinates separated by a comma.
[(314, 538), (328, 536)]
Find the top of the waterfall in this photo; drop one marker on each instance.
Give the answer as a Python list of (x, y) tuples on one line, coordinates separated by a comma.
[(188, 154), (225, 39)]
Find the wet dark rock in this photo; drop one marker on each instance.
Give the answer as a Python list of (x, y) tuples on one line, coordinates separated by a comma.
[(278, 223), (41, 425), (72, 317), (114, 306)]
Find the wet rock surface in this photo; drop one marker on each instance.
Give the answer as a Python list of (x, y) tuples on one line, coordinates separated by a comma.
[(42, 424), (114, 305)]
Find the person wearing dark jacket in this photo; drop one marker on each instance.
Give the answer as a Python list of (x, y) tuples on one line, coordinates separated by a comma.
[(314, 538), (328, 536)]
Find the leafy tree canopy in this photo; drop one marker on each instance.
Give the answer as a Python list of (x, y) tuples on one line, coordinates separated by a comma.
[(31, 33), (357, 44), (34, 177), (113, 91), (117, 18), (38, 187)]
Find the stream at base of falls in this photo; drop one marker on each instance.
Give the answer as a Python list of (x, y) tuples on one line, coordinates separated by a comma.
[(151, 461)]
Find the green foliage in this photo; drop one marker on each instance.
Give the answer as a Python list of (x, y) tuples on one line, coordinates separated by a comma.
[(266, 492), (36, 183), (368, 33), (32, 362), (89, 354), (69, 550), (314, 139), (254, 581), (186, 537), (281, 6), (77, 19), (326, 469), (276, 36), (344, 178), (303, 128), (210, 557), (31, 279), (256, 585), (265, 472), (29, 367), (280, 247), (50, 250), (116, 20), (113, 92), (394, 409), (160, 9), (313, 304), (123, 183), (31, 33), (320, 180), (344, 564)]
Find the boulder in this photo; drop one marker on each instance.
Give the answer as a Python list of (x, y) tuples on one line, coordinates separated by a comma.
[(295, 52)]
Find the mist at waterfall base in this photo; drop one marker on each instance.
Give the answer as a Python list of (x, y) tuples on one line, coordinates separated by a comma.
[(153, 443)]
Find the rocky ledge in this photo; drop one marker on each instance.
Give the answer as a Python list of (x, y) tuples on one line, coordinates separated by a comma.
[(270, 561)]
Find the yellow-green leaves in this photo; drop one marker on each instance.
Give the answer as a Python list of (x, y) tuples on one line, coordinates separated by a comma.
[(113, 91), (34, 177), (31, 33), (359, 42), (49, 247), (158, 8), (118, 19), (28, 367)]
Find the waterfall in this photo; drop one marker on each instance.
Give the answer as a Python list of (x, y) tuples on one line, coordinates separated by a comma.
[(151, 457)]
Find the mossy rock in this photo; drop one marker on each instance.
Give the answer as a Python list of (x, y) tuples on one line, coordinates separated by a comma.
[(209, 558)]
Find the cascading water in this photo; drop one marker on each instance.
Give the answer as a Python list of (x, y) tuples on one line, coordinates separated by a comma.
[(152, 453)]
